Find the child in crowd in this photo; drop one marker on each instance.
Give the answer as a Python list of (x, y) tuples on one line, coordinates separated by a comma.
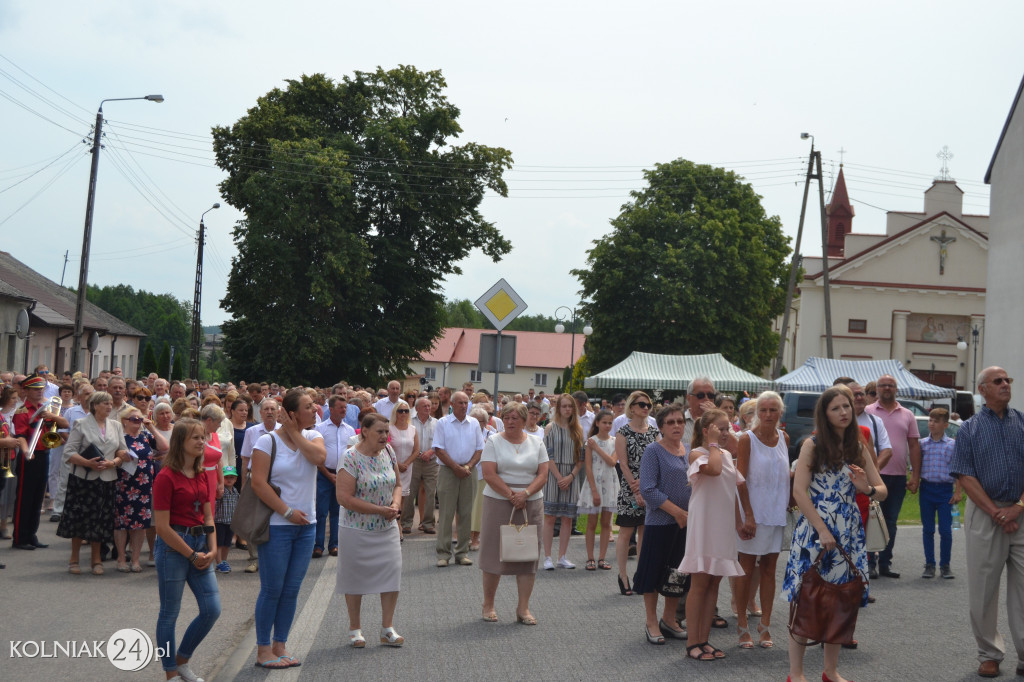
[(222, 518), (600, 492), (938, 492)]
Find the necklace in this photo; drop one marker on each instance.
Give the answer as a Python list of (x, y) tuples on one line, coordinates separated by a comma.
[(197, 503)]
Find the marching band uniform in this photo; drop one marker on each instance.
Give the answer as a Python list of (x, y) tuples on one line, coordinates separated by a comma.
[(32, 473)]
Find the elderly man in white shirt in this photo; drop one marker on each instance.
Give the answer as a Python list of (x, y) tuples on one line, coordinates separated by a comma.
[(267, 425), (336, 435), (424, 471), (458, 443), (386, 405)]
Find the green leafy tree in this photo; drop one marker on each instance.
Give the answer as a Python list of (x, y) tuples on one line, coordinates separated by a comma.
[(357, 205), (463, 313), (692, 265), (161, 317), (148, 364), (580, 371), (163, 363), (179, 370)]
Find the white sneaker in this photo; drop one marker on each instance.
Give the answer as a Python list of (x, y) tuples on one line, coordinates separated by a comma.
[(565, 563), (185, 673), (548, 565)]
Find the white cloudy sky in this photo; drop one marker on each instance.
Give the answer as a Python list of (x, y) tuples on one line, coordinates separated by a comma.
[(585, 95)]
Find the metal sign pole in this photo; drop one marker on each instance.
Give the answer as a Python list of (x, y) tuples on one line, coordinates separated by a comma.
[(497, 370)]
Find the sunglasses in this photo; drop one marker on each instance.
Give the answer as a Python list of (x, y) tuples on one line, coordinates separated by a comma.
[(674, 422), (136, 420), (403, 412), (642, 405), (999, 381), (872, 393), (702, 395)]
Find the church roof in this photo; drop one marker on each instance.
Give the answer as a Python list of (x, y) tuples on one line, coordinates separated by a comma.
[(1006, 128), (840, 197)]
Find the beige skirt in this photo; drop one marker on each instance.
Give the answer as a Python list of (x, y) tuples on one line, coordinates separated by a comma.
[(369, 562), (495, 514)]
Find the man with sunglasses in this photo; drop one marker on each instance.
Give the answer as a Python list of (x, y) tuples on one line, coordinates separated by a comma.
[(905, 441), (988, 460)]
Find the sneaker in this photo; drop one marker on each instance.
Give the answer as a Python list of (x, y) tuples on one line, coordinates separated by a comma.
[(946, 572), (223, 567), (252, 567), (548, 564), (185, 673), (565, 563), (929, 571)]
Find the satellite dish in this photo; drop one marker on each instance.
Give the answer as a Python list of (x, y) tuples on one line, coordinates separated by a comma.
[(21, 325), (94, 342)]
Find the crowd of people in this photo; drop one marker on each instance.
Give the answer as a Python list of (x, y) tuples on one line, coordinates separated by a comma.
[(699, 489)]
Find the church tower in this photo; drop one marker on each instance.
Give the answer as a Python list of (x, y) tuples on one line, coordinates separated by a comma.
[(840, 217)]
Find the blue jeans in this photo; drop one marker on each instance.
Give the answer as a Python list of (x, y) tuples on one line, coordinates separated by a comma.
[(327, 509), (934, 499), (283, 563), (896, 485), (172, 571)]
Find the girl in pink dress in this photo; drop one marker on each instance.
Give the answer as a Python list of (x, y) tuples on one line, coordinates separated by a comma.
[(713, 523)]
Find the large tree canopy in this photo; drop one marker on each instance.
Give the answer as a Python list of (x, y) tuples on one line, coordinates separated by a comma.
[(692, 265), (356, 207)]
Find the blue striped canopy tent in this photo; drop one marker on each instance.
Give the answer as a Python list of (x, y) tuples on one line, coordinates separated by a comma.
[(817, 374), (674, 373)]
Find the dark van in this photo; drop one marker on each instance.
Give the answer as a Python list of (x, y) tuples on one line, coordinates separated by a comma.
[(798, 418)]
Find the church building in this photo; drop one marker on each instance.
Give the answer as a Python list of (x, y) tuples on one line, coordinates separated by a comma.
[(914, 294)]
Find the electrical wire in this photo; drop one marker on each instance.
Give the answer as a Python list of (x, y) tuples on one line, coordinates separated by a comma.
[(65, 169), (32, 175)]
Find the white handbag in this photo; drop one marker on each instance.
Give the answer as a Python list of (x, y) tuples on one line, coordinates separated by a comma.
[(518, 543), (876, 533)]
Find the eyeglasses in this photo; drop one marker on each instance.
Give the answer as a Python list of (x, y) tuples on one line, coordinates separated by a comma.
[(136, 420), (702, 395), (858, 394), (674, 422), (886, 385), (999, 381), (143, 398), (44, 372), (403, 412), (872, 393), (642, 405)]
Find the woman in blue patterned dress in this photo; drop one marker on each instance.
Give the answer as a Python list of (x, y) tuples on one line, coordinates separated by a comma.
[(832, 467), (369, 556), (133, 496)]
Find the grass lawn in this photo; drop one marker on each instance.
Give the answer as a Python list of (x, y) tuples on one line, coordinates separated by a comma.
[(910, 513)]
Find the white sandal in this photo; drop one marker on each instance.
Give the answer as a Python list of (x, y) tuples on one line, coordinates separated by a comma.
[(356, 639), (389, 637)]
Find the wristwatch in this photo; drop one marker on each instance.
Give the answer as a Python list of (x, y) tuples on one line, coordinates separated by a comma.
[(1020, 503), (872, 492)]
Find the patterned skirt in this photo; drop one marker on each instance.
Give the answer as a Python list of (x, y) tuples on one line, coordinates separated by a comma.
[(88, 510)]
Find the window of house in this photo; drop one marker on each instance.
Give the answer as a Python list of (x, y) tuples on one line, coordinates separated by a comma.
[(858, 326), (430, 373), (540, 379), (476, 376)]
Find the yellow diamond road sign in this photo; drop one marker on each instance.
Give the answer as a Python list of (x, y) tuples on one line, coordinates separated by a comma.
[(501, 304)]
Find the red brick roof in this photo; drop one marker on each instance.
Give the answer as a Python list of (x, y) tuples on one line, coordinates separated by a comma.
[(533, 349)]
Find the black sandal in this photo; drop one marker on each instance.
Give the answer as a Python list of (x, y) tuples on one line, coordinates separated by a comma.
[(624, 588), (719, 622), (702, 656), (715, 652)]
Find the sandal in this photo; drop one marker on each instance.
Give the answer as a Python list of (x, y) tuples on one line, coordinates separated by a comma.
[(526, 620), (489, 617), (604, 565), (136, 568), (719, 622), (274, 664), (745, 632), (591, 565), (356, 639), (717, 653), (702, 655), (388, 637), (123, 568), (624, 587), (97, 569), (74, 569), (762, 630)]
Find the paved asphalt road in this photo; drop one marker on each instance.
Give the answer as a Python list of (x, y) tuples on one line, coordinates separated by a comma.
[(918, 629)]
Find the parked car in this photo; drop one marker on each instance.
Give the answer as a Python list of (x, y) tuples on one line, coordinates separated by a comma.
[(922, 427), (915, 407), (798, 418)]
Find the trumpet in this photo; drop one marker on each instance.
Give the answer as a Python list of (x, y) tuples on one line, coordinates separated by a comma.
[(6, 454), (49, 435)]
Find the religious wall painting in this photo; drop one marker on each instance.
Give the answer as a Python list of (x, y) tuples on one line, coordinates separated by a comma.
[(936, 328)]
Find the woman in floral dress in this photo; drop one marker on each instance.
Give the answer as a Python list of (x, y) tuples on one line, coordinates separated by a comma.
[(133, 491), (630, 443), (832, 467)]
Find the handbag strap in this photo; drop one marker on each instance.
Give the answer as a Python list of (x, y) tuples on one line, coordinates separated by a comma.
[(849, 561), (526, 517), (273, 455)]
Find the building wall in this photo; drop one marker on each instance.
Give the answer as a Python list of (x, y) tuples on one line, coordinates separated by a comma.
[(12, 349), (520, 382), (1004, 313)]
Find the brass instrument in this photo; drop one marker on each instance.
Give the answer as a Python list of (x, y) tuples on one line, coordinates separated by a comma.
[(6, 454), (51, 439)]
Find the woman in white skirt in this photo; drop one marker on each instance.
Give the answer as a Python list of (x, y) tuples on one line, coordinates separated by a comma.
[(370, 556), (763, 459)]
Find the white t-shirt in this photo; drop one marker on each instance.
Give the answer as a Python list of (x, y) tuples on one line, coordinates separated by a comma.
[(385, 407), (294, 474), (517, 464)]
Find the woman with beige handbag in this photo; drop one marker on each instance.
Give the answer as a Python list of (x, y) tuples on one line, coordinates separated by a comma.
[(515, 467)]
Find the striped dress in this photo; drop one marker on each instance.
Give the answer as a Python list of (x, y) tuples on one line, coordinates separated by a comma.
[(558, 502)]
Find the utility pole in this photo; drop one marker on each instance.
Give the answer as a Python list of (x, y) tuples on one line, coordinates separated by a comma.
[(794, 266), (197, 330), (83, 267), (824, 258), (65, 268)]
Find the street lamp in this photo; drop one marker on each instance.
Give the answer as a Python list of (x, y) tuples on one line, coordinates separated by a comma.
[(975, 332), (193, 370), (560, 329), (83, 269)]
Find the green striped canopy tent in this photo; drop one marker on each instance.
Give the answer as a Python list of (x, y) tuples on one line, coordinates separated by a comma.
[(674, 373)]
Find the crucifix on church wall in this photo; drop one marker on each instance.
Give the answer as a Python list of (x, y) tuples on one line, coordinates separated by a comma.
[(943, 241)]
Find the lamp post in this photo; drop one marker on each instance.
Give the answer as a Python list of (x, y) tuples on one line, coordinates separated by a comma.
[(961, 345), (83, 269), (193, 369), (560, 329)]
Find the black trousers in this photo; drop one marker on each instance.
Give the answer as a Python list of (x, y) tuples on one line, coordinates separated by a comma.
[(31, 487)]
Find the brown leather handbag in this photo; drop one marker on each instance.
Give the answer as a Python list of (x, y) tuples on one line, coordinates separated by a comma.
[(823, 611)]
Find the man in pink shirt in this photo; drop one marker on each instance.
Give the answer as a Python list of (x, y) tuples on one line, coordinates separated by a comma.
[(901, 426)]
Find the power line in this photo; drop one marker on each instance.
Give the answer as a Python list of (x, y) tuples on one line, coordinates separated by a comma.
[(65, 169)]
